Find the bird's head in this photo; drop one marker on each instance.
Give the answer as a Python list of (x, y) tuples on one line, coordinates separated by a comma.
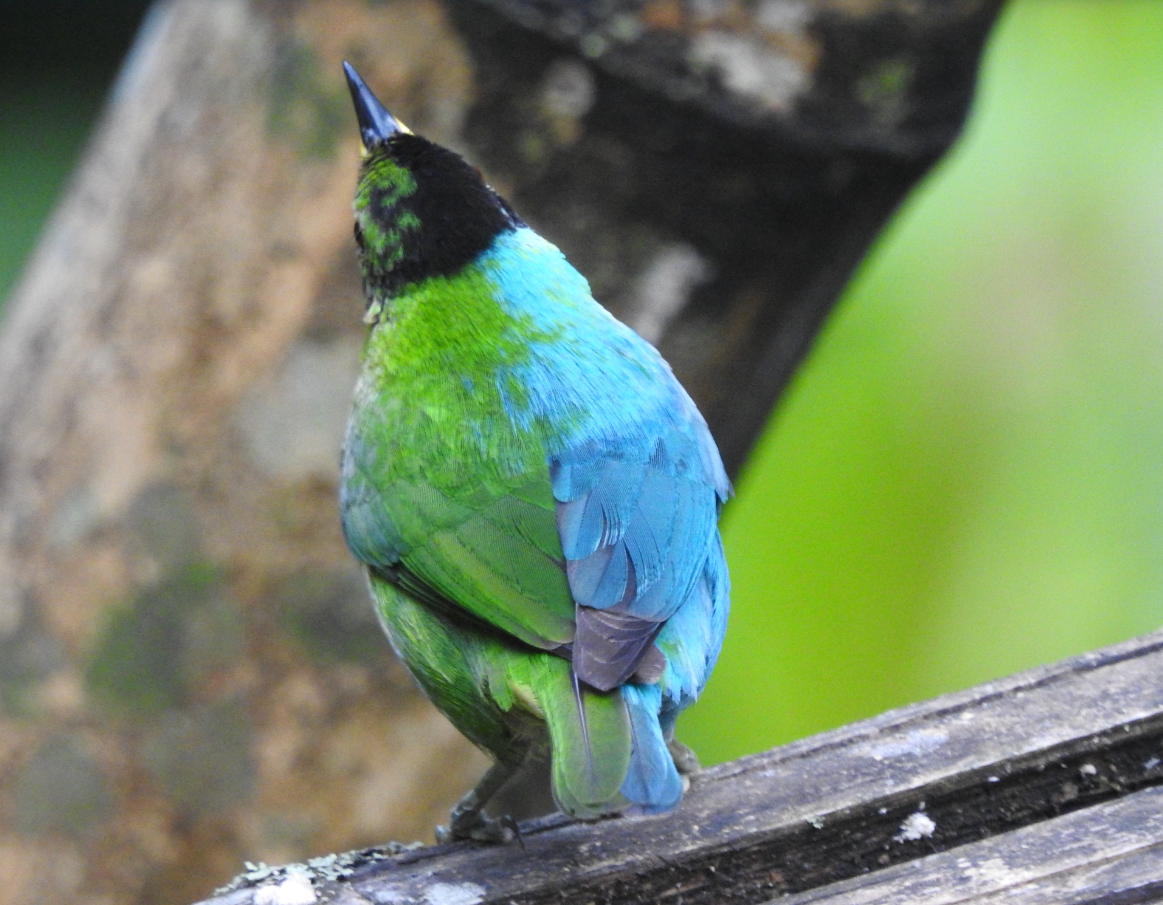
[(420, 209)]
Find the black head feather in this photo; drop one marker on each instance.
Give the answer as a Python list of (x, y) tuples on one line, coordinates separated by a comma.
[(431, 212)]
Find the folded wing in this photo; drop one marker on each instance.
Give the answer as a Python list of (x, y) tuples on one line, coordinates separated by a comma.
[(637, 519)]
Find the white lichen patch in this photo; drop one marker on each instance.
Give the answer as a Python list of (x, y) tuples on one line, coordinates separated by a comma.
[(315, 872), (783, 16), (916, 826), (664, 287), (568, 89), (454, 894), (296, 889), (915, 744)]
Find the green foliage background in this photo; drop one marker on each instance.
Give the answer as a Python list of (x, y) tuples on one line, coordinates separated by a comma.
[(966, 478)]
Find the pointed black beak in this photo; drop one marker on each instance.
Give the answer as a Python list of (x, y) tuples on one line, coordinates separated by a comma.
[(376, 124)]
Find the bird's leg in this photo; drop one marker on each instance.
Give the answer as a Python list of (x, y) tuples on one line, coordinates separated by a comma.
[(468, 821), (685, 760)]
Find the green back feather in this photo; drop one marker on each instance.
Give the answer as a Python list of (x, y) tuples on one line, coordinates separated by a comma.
[(493, 691), (466, 500)]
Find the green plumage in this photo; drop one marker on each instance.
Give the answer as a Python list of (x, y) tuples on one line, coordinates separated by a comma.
[(504, 698), (473, 521), (467, 498)]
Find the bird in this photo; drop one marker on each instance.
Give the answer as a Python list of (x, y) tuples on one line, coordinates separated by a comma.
[(534, 496)]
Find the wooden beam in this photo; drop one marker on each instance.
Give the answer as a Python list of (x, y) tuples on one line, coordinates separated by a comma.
[(983, 763), (1108, 854)]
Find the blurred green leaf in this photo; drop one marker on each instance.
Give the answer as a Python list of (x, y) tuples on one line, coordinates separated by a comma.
[(966, 479)]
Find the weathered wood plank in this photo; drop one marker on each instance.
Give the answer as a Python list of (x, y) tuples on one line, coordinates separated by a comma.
[(1109, 853), (889, 790)]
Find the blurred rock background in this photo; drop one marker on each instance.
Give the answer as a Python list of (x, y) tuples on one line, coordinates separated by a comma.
[(965, 479), (190, 673)]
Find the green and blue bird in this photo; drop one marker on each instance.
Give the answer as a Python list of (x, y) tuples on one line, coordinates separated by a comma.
[(534, 495)]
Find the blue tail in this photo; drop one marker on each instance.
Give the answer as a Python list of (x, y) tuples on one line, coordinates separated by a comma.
[(652, 782)]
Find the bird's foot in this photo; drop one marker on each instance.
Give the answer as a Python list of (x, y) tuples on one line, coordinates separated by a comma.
[(468, 820), (685, 760), (475, 825)]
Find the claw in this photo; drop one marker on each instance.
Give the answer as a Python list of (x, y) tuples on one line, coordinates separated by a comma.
[(495, 830), (476, 826), (467, 820), (511, 825)]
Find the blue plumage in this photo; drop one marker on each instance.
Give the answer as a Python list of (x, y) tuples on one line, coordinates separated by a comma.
[(636, 477), (652, 782)]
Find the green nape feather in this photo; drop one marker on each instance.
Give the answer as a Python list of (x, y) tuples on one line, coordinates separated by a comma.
[(502, 697)]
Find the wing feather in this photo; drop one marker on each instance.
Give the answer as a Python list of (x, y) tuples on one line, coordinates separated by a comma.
[(637, 517), (498, 560)]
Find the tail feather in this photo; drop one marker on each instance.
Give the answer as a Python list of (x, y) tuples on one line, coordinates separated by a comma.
[(609, 750), (590, 737), (652, 781)]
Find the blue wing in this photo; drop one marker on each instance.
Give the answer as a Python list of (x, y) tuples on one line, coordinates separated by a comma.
[(638, 521), (636, 478)]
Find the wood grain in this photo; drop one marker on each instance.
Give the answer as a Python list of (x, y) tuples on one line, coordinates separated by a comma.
[(1109, 854)]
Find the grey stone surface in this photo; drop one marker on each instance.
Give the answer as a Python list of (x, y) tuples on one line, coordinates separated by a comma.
[(162, 518), (292, 425), (150, 650), (28, 655)]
